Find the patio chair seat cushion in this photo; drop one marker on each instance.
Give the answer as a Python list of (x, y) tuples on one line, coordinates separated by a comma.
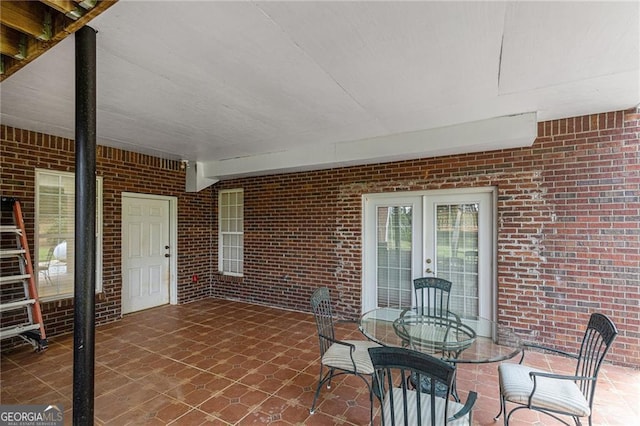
[(425, 409), (337, 356), (552, 394)]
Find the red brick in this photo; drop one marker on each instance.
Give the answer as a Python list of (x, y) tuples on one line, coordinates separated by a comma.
[(568, 209)]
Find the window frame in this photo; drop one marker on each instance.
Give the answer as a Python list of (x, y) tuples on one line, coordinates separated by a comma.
[(239, 224), (39, 173)]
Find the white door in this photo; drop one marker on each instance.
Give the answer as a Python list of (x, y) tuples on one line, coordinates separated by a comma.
[(458, 243), (434, 233), (392, 250), (145, 253)]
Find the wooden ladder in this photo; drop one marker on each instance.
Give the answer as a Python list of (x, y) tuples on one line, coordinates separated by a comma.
[(19, 291)]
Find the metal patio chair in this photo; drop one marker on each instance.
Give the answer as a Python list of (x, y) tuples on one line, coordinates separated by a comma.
[(432, 295), (559, 394), (432, 299), (43, 267), (338, 356), (403, 405)]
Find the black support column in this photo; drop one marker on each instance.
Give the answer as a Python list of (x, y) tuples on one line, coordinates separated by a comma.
[(85, 232)]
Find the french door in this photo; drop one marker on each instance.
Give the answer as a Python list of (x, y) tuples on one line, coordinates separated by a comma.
[(447, 234)]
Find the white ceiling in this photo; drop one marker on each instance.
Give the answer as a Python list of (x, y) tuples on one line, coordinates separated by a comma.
[(246, 88)]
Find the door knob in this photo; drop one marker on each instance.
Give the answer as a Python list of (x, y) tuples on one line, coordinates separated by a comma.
[(167, 255)]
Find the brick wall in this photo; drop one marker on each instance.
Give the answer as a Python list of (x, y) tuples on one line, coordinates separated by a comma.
[(568, 225), (21, 152), (568, 229)]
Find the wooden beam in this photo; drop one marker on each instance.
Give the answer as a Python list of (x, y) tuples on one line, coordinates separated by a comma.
[(29, 17), (13, 43), (61, 27), (67, 7), (101, 6)]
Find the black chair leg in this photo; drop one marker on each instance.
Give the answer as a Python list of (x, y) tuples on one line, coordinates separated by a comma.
[(321, 382), (502, 408)]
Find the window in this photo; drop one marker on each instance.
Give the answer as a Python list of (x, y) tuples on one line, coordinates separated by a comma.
[(231, 240), (55, 234)]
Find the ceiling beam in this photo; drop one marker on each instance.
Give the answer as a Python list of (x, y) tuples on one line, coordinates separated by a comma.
[(485, 135), (68, 7), (44, 23), (13, 43), (29, 17)]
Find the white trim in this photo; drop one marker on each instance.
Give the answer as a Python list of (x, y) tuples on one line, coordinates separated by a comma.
[(220, 232)]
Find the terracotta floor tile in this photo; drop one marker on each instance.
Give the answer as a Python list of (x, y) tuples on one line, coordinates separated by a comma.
[(183, 365), (108, 381), (197, 418), (165, 409)]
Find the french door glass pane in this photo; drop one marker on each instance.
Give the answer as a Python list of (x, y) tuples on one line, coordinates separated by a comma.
[(457, 254), (394, 242)]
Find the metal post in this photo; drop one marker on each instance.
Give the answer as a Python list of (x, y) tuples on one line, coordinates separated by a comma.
[(85, 235)]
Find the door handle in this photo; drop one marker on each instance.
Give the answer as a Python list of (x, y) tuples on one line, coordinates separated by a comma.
[(428, 270), (167, 255)]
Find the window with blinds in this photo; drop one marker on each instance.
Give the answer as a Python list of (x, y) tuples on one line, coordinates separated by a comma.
[(55, 234), (395, 241), (231, 225), (457, 254)]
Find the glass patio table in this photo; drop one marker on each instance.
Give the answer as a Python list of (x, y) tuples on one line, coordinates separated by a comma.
[(451, 337)]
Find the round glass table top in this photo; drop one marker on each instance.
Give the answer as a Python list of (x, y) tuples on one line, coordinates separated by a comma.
[(449, 336)]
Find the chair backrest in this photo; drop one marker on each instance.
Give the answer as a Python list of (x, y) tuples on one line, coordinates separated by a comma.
[(432, 295), (321, 307), (50, 254), (401, 404), (47, 261), (598, 337)]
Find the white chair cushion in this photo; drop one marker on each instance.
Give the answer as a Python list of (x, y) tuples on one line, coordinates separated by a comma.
[(337, 356), (553, 394), (425, 407)]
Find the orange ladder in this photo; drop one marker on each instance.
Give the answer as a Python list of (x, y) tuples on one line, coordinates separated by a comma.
[(16, 269)]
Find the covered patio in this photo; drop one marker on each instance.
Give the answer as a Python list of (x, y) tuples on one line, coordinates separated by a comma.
[(309, 130), (224, 362)]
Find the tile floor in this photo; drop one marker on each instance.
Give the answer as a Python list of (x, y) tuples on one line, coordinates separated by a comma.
[(222, 362)]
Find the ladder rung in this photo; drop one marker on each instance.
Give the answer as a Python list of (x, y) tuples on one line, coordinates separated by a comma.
[(10, 228), (15, 305), (7, 332), (11, 253), (14, 278), (31, 330)]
